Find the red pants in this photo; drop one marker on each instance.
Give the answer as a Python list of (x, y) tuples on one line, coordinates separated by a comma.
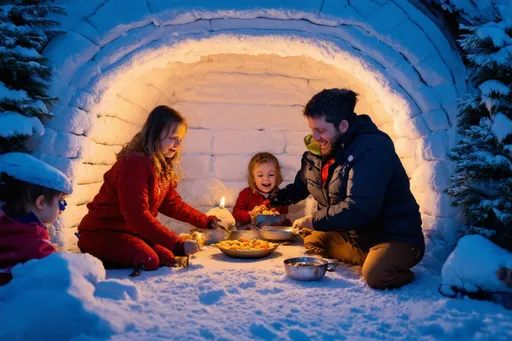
[(123, 250)]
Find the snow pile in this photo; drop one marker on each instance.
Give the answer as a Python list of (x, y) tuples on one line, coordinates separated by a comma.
[(472, 267), (62, 296)]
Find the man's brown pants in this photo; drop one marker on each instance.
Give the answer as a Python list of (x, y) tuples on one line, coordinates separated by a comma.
[(385, 266)]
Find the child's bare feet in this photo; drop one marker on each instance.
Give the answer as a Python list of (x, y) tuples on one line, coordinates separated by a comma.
[(505, 275)]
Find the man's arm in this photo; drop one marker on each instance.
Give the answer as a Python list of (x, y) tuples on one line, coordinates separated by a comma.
[(367, 184), (294, 192)]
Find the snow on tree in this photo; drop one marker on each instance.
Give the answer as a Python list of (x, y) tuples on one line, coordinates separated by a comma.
[(482, 183), (24, 74), (475, 12)]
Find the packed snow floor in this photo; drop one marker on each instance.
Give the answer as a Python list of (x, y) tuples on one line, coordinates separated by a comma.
[(221, 298)]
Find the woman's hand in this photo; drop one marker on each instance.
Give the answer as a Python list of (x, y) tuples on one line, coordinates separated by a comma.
[(216, 224), (190, 247), (213, 222)]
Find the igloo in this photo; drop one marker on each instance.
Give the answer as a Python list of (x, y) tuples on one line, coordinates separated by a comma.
[(240, 72)]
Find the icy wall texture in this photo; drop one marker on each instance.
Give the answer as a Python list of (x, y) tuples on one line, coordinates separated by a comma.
[(240, 74)]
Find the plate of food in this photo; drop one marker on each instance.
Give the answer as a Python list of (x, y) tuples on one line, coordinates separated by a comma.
[(248, 249)]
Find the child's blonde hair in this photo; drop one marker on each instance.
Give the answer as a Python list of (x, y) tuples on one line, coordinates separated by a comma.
[(147, 141), (259, 159)]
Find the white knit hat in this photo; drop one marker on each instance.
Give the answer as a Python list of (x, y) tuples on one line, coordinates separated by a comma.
[(27, 168)]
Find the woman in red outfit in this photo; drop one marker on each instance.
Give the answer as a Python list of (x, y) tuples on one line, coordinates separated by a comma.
[(121, 227), (264, 178)]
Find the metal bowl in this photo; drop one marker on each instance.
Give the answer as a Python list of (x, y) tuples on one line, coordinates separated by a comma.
[(276, 233), (269, 219), (244, 234), (200, 237), (307, 268), (248, 254)]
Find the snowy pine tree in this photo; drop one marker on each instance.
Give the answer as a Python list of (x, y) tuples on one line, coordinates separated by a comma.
[(482, 184), (24, 75)]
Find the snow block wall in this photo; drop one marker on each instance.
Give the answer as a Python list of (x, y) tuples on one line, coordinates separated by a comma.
[(240, 72)]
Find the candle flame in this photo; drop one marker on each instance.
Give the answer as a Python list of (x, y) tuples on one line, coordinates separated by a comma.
[(222, 202)]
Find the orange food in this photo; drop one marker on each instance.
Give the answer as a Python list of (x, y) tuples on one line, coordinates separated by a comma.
[(270, 211), (246, 245), (264, 209)]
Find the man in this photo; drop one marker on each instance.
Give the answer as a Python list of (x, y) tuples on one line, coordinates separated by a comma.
[(366, 214)]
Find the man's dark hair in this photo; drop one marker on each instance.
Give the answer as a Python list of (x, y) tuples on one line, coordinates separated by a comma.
[(335, 105)]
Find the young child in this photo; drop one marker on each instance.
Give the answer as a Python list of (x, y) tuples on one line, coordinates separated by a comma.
[(32, 194), (121, 228), (264, 177)]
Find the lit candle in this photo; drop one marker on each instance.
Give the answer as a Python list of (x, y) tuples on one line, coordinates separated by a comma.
[(226, 219), (223, 214)]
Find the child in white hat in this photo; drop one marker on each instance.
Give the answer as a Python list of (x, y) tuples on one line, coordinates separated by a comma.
[(32, 195)]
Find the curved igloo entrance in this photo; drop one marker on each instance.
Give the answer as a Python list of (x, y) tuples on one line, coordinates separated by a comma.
[(241, 77)]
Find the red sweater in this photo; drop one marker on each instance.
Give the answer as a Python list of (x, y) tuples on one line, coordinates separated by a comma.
[(130, 200), (21, 242), (247, 200)]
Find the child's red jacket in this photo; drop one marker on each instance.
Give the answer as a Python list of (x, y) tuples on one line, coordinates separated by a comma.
[(21, 242), (246, 201), (130, 199)]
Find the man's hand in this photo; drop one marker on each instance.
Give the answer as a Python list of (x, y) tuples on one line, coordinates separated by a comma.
[(304, 222), (278, 198), (302, 232), (190, 246)]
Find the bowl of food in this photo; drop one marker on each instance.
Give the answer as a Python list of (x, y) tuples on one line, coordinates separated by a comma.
[(266, 215), (276, 233), (307, 268), (199, 237), (246, 249)]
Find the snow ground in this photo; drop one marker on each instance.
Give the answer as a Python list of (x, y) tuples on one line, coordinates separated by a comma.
[(69, 296), (220, 298)]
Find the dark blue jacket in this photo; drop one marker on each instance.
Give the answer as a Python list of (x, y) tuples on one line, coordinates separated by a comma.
[(367, 195)]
